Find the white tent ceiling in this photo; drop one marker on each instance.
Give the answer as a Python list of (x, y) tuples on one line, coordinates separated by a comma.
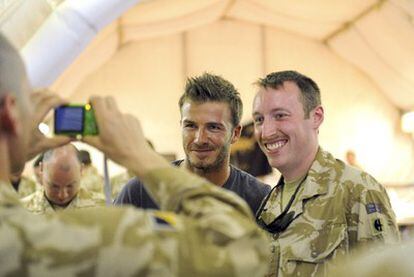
[(377, 36)]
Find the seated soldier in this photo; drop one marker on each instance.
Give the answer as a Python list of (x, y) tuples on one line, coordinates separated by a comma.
[(61, 174)]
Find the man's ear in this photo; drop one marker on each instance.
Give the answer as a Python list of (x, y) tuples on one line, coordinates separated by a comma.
[(8, 115), (317, 116), (236, 133)]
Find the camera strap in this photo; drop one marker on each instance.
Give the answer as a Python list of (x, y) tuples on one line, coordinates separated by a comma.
[(107, 183)]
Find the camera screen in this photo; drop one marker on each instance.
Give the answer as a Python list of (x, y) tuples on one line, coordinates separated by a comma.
[(69, 119)]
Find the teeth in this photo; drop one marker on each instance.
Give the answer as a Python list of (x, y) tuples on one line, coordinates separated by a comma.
[(276, 145)]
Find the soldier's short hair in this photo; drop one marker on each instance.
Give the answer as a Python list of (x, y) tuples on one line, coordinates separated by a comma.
[(310, 93), (213, 88)]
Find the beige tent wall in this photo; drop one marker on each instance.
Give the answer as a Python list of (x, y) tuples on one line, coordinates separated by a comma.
[(146, 77)]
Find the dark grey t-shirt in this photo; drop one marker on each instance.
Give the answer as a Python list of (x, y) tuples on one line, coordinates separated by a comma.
[(243, 184)]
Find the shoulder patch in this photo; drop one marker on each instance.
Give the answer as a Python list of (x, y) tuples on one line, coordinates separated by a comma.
[(164, 220), (377, 226), (373, 208)]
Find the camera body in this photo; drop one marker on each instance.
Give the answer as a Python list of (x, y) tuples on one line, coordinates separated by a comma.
[(73, 120)]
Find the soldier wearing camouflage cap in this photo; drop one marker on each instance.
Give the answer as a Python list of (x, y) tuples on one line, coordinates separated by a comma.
[(321, 208), (201, 229)]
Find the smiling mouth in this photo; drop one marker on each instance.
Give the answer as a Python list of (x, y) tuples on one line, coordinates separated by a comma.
[(275, 145)]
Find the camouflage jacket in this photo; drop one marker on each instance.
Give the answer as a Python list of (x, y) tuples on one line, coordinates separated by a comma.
[(336, 208), (202, 230), (91, 180), (37, 202), (27, 186)]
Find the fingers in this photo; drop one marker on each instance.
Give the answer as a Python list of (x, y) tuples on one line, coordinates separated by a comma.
[(40, 144), (93, 141), (43, 102)]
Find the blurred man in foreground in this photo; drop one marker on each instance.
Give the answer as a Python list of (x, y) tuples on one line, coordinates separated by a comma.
[(201, 230), (61, 175)]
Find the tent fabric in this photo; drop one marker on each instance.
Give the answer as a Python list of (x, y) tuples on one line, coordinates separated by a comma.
[(377, 36)]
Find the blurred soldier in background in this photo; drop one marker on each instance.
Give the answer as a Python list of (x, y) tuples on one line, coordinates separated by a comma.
[(61, 174), (37, 170), (91, 180)]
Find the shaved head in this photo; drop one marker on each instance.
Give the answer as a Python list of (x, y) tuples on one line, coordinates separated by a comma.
[(13, 77), (61, 173), (15, 111)]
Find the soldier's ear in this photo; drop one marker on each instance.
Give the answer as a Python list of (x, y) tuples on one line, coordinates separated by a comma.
[(317, 116), (236, 133), (9, 122)]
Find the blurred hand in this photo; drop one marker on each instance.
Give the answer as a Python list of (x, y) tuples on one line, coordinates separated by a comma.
[(121, 138), (43, 102)]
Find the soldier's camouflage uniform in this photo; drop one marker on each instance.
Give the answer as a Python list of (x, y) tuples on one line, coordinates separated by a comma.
[(336, 209), (91, 180), (202, 230), (396, 261), (27, 186), (37, 202)]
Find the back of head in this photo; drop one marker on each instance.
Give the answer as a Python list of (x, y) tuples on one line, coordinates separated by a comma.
[(14, 106), (310, 93), (213, 88), (12, 71)]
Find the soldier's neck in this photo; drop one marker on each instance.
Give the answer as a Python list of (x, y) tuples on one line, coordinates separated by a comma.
[(297, 171), (218, 176)]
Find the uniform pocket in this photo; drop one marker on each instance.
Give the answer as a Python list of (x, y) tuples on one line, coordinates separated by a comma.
[(308, 255)]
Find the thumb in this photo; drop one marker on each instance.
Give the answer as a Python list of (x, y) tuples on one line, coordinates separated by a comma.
[(93, 141)]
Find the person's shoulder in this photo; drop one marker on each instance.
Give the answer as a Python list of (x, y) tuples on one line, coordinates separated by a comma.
[(35, 196), (249, 180), (90, 198), (352, 179)]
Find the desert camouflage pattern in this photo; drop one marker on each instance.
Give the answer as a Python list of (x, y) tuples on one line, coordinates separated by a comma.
[(337, 208), (37, 202), (202, 231), (27, 186), (91, 180), (118, 182), (384, 262)]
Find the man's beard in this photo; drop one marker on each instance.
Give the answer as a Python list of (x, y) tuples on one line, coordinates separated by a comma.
[(216, 165)]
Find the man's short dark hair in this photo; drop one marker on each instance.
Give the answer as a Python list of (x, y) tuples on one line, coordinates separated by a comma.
[(85, 157), (213, 88), (310, 93)]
